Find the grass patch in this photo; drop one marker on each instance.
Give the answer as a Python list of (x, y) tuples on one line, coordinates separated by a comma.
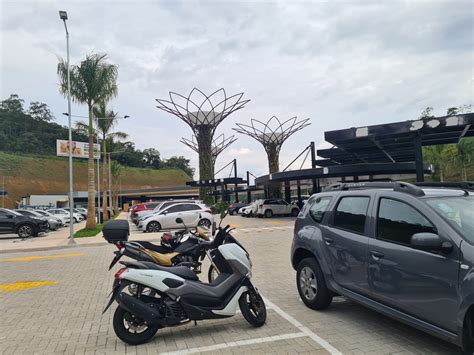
[(85, 232)]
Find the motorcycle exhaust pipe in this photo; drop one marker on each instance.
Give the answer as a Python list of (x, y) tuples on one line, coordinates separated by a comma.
[(139, 308)]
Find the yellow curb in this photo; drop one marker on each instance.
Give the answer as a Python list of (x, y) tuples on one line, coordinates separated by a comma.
[(38, 257), (276, 222), (25, 285)]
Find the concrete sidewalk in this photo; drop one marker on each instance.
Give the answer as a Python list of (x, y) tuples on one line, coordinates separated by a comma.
[(59, 239)]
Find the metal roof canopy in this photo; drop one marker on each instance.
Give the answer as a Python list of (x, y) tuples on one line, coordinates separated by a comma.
[(238, 189), (217, 182), (393, 142), (343, 170)]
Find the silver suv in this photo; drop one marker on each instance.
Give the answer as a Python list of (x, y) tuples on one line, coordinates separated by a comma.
[(403, 250), (269, 208)]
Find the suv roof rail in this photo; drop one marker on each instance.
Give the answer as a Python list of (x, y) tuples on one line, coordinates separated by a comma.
[(399, 186), (465, 185)]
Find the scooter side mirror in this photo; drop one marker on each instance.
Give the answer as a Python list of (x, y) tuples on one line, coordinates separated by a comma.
[(179, 220)]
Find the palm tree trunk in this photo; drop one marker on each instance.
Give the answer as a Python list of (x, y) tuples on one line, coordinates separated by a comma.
[(441, 177), (464, 172), (91, 222), (105, 215)]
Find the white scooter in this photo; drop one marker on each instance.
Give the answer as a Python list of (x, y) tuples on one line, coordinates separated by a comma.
[(151, 296)]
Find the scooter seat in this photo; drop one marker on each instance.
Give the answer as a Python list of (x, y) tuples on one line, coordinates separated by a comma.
[(158, 248), (181, 271)]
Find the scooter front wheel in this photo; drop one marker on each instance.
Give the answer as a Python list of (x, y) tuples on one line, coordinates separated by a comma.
[(132, 330), (253, 308)]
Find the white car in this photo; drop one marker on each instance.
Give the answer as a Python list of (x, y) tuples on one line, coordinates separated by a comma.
[(192, 214), (141, 215), (64, 215), (250, 210), (271, 207)]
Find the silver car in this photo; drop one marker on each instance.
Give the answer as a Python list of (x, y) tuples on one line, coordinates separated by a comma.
[(53, 222)]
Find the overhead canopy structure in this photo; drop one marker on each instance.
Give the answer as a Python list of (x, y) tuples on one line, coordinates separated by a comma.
[(203, 113), (217, 182), (393, 142), (219, 144)]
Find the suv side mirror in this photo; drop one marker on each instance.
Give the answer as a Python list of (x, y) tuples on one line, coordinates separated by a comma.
[(10, 216), (430, 242), (179, 220)]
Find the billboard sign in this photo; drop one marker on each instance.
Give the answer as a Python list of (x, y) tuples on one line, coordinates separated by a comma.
[(79, 149)]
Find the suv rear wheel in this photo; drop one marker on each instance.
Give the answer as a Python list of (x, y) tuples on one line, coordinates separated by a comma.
[(268, 213), (312, 285)]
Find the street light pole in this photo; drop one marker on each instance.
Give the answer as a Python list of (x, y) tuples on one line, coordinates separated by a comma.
[(110, 184), (98, 181), (63, 17)]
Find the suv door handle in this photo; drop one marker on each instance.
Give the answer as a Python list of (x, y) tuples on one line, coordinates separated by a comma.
[(376, 255), (328, 241)]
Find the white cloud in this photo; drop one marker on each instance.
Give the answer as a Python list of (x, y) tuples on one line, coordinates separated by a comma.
[(342, 64)]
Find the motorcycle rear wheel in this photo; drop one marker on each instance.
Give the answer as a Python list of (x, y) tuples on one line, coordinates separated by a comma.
[(253, 308), (132, 330)]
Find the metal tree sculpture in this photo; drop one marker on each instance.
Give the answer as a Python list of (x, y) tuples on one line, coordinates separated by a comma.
[(272, 134), (203, 113), (218, 145)]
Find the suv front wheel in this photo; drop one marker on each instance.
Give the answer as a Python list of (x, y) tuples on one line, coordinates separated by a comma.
[(312, 286)]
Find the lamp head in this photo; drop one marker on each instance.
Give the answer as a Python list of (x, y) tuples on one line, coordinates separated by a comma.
[(63, 15)]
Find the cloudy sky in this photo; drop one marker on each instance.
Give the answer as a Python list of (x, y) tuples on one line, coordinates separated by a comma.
[(341, 64)]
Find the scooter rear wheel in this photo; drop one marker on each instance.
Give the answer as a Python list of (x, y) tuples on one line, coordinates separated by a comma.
[(131, 329), (253, 308)]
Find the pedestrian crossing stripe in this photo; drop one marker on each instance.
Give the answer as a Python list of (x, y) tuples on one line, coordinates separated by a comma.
[(39, 257), (25, 285)]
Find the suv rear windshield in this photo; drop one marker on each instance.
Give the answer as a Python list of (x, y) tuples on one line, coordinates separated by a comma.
[(458, 211)]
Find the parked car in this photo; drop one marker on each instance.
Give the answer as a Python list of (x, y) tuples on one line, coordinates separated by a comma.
[(402, 250), (269, 208), (192, 214), (234, 208), (25, 226), (81, 211), (163, 204), (53, 222), (142, 207), (250, 210), (49, 215), (65, 215)]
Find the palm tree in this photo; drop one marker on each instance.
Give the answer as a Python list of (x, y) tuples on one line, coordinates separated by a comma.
[(116, 171), (105, 120), (92, 81)]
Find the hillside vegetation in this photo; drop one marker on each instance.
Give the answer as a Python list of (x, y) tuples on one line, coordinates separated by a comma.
[(49, 175)]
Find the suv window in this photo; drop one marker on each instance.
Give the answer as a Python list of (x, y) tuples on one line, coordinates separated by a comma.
[(151, 205), (351, 213), (397, 221), (318, 208)]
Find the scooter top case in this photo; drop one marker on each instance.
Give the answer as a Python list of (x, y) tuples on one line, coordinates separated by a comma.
[(116, 231)]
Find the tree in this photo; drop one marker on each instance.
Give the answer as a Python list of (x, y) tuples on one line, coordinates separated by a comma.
[(13, 104), (40, 112), (442, 157), (105, 120), (152, 158), (180, 163), (427, 113), (93, 81), (465, 155), (459, 110)]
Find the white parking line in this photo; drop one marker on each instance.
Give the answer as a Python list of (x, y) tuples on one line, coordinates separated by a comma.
[(303, 329), (238, 343)]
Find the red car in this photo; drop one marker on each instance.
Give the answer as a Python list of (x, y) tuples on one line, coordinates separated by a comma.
[(141, 207)]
